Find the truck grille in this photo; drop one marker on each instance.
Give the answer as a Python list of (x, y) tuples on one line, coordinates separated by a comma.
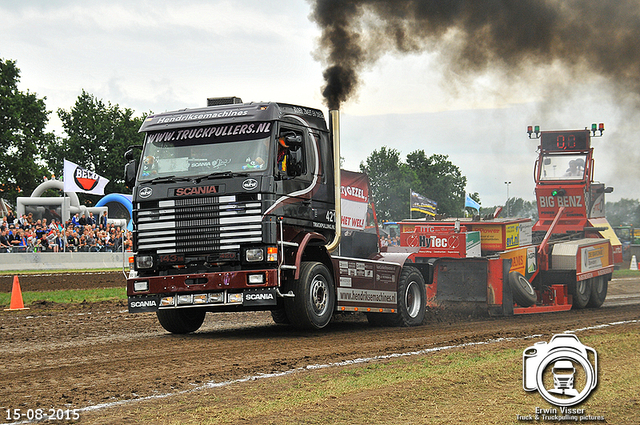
[(203, 224)]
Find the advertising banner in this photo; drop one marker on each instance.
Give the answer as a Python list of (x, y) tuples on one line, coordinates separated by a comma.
[(355, 199)]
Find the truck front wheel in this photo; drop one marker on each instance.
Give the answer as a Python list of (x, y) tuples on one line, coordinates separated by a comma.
[(181, 321), (315, 297), (581, 293)]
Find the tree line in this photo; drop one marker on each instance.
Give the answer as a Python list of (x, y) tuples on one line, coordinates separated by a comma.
[(97, 134), (96, 137)]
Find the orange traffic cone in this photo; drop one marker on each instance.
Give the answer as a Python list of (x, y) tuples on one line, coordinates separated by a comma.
[(16, 297)]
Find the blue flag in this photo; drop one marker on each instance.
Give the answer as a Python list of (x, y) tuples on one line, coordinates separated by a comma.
[(468, 202)]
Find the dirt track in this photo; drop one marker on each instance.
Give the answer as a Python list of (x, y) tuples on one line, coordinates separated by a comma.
[(65, 356)]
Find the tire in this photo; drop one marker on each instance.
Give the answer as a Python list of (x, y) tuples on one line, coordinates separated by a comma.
[(412, 302), (523, 293), (181, 321), (581, 292), (315, 297), (280, 317), (599, 287)]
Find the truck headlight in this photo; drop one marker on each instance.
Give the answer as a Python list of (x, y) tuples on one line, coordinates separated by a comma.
[(141, 286), (254, 254), (144, 261), (255, 279)]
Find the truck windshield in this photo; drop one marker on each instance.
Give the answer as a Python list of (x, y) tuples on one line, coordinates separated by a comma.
[(201, 151), (563, 167)]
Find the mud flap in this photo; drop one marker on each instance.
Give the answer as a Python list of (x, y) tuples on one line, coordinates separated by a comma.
[(144, 303), (259, 297)]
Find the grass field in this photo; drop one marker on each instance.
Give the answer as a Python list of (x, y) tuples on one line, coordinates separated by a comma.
[(472, 385), (69, 296)]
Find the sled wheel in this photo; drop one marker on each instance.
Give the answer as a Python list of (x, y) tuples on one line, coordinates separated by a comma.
[(315, 298), (599, 286), (523, 293), (581, 293), (181, 321)]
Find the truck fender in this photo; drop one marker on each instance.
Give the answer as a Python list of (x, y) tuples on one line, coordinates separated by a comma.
[(312, 236)]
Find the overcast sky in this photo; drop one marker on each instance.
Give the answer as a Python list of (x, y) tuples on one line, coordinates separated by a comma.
[(165, 55)]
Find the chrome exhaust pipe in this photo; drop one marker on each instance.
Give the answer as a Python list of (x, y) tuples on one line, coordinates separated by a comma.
[(334, 128)]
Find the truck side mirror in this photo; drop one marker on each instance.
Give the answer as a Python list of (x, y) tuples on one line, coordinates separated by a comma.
[(130, 171), (131, 168), (293, 140)]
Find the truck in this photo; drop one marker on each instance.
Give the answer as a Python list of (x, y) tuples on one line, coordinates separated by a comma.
[(237, 207), (514, 266)]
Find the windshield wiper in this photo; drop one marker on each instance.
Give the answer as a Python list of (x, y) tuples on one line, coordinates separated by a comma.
[(167, 179), (220, 174)]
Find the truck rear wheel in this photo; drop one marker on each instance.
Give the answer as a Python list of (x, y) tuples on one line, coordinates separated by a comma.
[(599, 287), (523, 292), (181, 321), (412, 302), (315, 297), (581, 293)]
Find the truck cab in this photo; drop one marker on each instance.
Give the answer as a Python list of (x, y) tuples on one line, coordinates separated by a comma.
[(236, 207)]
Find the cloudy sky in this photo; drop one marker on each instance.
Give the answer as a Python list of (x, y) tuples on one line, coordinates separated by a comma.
[(165, 55)]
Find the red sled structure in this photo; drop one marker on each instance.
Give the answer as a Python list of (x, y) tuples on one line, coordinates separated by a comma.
[(514, 266)]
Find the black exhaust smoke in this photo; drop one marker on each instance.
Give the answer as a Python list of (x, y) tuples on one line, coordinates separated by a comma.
[(583, 37)]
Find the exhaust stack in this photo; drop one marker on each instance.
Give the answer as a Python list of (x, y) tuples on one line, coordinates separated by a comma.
[(334, 128)]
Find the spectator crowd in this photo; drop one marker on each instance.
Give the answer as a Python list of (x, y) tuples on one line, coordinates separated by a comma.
[(81, 233)]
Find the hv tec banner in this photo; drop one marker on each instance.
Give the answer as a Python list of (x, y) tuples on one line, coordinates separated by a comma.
[(78, 179), (355, 199)]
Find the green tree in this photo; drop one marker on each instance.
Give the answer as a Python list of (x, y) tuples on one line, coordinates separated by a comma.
[(434, 177), (97, 136), (518, 207), (23, 118), (623, 212), (439, 179), (390, 182)]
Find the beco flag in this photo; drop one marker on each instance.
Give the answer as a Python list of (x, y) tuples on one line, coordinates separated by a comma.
[(78, 179)]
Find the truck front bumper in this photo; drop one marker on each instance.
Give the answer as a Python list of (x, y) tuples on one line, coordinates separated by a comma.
[(251, 289)]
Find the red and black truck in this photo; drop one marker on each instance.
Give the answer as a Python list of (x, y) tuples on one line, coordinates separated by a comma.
[(236, 207)]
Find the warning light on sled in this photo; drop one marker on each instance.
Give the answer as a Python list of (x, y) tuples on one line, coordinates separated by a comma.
[(531, 130), (599, 127), (558, 192)]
